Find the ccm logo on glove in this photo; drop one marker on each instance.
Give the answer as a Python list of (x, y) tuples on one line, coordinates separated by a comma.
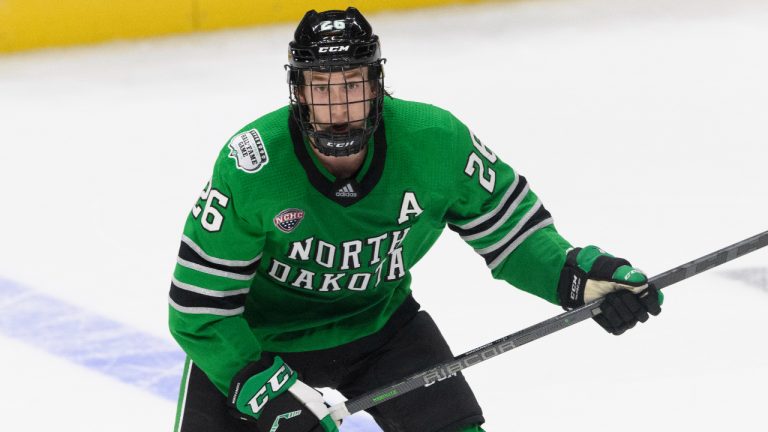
[(269, 393), (275, 384), (590, 273), (575, 288)]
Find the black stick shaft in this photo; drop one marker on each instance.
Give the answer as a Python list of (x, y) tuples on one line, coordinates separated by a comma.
[(478, 355)]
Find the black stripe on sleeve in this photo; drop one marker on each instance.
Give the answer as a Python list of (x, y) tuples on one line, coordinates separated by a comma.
[(540, 215), (489, 223), (189, 254), (192, 299)]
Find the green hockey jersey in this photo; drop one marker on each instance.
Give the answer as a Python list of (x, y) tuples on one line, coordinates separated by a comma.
[(278, 255)]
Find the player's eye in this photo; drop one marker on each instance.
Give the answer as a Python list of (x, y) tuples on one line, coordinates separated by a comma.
[(320, 88), (353, 85)]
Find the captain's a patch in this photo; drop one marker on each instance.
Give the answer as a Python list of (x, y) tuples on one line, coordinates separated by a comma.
[(247, 148)]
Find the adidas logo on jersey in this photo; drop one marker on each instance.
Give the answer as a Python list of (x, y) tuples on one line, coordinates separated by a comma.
[(346, 192)]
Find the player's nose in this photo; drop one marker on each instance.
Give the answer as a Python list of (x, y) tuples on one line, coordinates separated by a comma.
[(339, 108), (339, 95)]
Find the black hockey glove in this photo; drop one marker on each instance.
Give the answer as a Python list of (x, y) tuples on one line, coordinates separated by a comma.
[(590, 273), (270, 394)]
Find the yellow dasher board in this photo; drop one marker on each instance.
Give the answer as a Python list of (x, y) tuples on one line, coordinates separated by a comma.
[(30, 24)]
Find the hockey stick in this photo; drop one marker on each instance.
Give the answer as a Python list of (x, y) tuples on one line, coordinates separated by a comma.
[(449, 368)]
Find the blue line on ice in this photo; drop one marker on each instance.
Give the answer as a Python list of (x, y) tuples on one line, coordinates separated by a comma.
[(112, 348), (95, 342)]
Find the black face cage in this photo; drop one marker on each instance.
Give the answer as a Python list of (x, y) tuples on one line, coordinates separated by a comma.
[(335, 107)]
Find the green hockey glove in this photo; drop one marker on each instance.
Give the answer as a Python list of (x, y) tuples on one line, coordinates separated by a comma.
[(271, 395), (590, 273)]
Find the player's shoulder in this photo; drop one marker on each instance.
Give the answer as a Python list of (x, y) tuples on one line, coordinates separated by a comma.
[(257, 146), (417, 115), (434, 128)]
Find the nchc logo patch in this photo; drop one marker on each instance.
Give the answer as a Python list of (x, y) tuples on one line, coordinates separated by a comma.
[(248, 150), (288, 219)]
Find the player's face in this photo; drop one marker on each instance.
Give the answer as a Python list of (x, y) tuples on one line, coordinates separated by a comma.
[(337, 101)]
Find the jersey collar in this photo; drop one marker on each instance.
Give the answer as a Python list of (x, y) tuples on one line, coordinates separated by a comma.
[(344, 192)]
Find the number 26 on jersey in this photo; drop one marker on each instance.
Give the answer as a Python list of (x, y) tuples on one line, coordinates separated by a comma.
[(214, 201), (486, 175)]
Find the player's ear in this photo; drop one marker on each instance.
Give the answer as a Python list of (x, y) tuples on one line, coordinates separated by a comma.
[(301, 94), (370, 84), (301, 86), (372, 77)]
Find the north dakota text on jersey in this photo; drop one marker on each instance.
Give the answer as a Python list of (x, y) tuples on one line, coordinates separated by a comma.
[(345, 256)]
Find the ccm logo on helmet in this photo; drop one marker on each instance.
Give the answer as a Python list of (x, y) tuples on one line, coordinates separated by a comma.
[(339, 48)]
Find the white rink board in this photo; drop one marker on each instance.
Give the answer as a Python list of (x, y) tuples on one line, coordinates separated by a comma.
[(640, 124)]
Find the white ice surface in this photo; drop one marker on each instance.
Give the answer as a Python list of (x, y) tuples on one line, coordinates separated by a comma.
[(643, 125)]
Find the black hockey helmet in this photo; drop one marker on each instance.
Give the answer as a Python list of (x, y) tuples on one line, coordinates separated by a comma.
[(336, 80)]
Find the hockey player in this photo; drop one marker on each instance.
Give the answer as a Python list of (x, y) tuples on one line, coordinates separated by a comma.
[(294, 265)]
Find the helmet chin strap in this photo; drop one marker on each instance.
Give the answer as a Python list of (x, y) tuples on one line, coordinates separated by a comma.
[(339, 145)]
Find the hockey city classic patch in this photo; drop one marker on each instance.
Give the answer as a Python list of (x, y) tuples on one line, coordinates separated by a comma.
[(288, 219), (247, 148)]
